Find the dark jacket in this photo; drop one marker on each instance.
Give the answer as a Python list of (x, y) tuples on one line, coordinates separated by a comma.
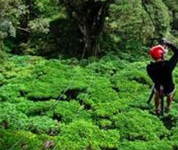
[(161, 72)]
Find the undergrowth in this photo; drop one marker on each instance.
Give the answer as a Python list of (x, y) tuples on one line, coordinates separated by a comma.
[(72, 104)]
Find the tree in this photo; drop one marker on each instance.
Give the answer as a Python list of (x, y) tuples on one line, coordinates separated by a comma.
[(90, 17), (137, 21), (8, 18), (172, 5), (34, 18), (30, 21), (159, 16)]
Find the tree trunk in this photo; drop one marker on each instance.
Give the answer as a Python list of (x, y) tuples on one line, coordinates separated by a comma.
[(90, 46), (90, 16), (90, 43)]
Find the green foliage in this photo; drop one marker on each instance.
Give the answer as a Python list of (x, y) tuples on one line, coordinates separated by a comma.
[(172, 6), (8, 19), (63, 104), (82, 134), (140, 145), (133, 23), (42, 27), (12, 118), (7, 28), (174, 136), (18, 140), (161, 17), (27, 20), (43, 124), (3, 57), (39, 25), (88, 104), (132, 127), (70, 111), (127, 19)]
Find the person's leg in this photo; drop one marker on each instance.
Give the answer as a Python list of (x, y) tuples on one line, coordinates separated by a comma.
[(157, 103), (169, 100)]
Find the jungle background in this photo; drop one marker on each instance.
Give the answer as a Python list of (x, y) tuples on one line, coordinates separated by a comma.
[(73, 74)]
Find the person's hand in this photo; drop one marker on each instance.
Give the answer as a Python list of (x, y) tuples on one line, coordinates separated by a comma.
[(164, 41)]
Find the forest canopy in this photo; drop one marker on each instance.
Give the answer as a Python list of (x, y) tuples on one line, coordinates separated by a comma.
[(58, 27)]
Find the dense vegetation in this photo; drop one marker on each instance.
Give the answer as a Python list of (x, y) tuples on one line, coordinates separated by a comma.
[(71, 104), (72, 75)]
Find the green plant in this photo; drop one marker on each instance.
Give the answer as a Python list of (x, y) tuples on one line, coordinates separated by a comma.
[(82, 134)]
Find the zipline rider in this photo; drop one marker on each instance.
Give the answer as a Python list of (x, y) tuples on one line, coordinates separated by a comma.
[(160, 72)]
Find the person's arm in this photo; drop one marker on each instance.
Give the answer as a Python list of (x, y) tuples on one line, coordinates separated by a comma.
[(174, 59), (173, 48)]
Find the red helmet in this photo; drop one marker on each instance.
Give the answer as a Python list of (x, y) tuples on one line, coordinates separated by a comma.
[(157, 52)]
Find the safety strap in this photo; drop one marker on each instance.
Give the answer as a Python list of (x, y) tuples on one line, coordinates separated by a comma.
[(161, 94)]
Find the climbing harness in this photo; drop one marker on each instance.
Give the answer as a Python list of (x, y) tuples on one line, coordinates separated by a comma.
[(150, 97), (161, 95)]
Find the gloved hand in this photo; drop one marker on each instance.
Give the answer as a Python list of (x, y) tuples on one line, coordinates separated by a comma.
[(164, 41)]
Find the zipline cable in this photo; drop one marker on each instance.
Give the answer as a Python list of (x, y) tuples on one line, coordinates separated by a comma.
[(72, 79), (12, 147), (90, 85), (53, 105), (83, 54)]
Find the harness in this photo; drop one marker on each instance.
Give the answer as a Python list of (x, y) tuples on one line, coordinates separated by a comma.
[(161, 95)]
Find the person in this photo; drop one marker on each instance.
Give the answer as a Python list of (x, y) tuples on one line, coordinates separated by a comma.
[(160, 72)]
